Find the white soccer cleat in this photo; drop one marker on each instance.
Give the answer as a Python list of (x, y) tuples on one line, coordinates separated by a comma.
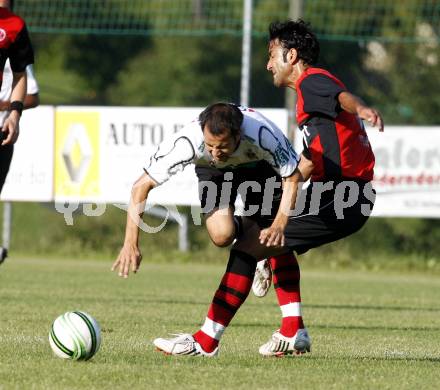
[(182, 345), (280, 345), (262, 279)]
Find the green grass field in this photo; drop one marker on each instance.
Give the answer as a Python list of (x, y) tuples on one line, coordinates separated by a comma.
[(369, 330)]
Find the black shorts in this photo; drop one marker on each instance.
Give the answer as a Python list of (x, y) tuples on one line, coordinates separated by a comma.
[(258, 184), (322, 216), (336, 217)]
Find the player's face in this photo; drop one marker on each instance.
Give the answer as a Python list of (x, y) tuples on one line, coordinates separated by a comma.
[(5, 4), (220, 147), (281, 69)]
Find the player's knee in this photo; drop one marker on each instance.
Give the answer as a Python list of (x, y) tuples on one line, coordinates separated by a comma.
[(222, 239)]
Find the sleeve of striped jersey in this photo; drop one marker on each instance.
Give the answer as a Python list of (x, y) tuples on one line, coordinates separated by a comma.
[(320, 95), (281, 150), (172, 156), (20, 52)]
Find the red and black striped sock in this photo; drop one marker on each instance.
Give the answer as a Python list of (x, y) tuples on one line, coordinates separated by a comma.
[(232, 292), (286, 280)]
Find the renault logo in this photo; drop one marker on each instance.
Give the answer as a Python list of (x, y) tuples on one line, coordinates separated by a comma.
[(77, 152)]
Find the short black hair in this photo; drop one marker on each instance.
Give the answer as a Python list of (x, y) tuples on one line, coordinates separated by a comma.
[(296, 35), (220, 117)]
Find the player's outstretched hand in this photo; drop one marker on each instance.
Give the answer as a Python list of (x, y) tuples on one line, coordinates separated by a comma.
[(372, 116), (129, 258), (272, 236)]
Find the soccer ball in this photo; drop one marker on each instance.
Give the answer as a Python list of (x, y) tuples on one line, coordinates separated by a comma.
[(75, 335)]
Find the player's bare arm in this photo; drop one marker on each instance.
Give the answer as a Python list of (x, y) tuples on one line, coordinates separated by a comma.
[(290, 190), (354, 105), (274, 234), (30, 101), (306, 167), (11, 125), (130, 256)]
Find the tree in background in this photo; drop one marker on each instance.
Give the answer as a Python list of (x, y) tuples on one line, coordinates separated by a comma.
[(396, 65), (381, 51), (181, 71), (99, 60)]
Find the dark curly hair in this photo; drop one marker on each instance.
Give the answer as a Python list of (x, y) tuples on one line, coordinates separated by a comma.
[(220, 117), (296, 35)]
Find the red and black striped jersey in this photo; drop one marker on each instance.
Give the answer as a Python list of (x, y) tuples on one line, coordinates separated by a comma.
[(334, 139), (14, 42)]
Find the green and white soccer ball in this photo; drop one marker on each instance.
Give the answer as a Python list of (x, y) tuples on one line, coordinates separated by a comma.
[(75, 335)]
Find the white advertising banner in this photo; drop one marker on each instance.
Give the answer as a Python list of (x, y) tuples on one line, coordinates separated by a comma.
[(101, 151), (30, 176), (407, 171)]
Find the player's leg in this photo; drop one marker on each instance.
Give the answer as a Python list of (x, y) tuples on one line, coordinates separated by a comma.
[(6, 152), (292, 337), (237, 280), (223, 227), (217, 193), (309, 230), (286, 279), (232, 292)]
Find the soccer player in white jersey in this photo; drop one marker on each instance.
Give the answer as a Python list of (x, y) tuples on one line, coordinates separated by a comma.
[(235, 150)]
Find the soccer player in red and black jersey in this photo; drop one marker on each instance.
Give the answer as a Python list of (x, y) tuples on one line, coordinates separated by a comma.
[(15, 45), (337, 157), (339, 162), (334, 137)]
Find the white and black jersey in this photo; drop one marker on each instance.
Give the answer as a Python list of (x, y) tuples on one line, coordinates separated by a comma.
[(261, 140)]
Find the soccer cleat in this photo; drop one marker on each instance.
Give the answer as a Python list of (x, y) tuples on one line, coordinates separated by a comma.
[(182, 345), (280, 345), (262, 279)]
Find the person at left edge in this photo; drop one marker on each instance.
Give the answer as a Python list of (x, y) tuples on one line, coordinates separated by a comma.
[(16, 47)]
